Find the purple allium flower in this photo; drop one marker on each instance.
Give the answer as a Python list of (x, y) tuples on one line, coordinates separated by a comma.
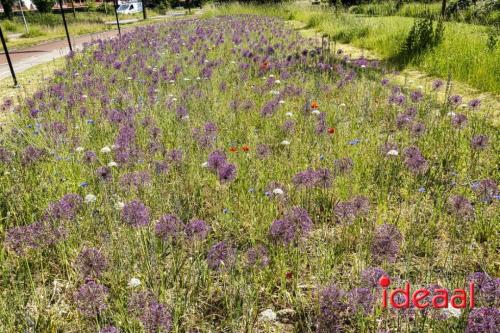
[(296, 224), (333, 309), (459, 120), (343, 165), (483, 320), (109, 329), (475, 103), (103, 173), (135, 214), (138, 179), (461, 207), (344, 212), (174, 156), (65, 208), (181, 111), (31, 155), (258, 256), (370, 277), (415, 161), (91, 298), (479, 142), (33, 236), (305, 178), (161, 167), (91, 263), (486, 189), (154, 316), (5, 155), (89, 156), (322, 178), (221, 255), (486, 287), (360, 205), (169, 227), (437, 84), (416, 96), (289, 126), (197, 229), (455, 100), (386, 243), (263, 151), (226, 172), (361, 299), (384, 81), (417, 129), (403, 120), (216, 159)]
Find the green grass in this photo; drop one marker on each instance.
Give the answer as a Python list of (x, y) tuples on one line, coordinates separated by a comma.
[(47, 27), (37, 288), (463, 53)]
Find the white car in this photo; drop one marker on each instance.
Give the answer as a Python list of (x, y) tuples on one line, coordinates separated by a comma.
[(129, 8)]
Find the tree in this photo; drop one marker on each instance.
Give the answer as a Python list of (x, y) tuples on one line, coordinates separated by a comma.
[(44, 6), (7, 7), (443, 7)]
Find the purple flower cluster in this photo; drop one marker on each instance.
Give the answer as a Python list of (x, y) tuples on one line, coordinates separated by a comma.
[(217, 162), (154, 316), (135, 214), (91, 263), (386, 243), (296, 224), (33, 236), (461, 207), (91, 298), (221, 256), (415, 161), (309, 178), (347, 211)]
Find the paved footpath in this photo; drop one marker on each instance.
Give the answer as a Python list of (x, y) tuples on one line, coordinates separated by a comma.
[(26, 58)]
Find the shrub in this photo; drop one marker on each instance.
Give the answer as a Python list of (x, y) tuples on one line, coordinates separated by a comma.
[(33, 32), (422, 37), (44, 6)]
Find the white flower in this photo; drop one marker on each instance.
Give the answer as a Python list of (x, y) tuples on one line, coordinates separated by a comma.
[(134, 282), (105, 150), (342, 105), (278, 191), (112, 164), (274, 92), (119, 205), (451, 312), (198, 78), (393, 152), (174, 99), (79, 149), (363, 66), (285, 142), (452, 114), (289, 114), (272, 75), (114, 147), (315, 112), (268, 315), (84, 96), (172, 81), (186, 79), (277, 81), (233, 62), (204, 164), (129, 78), (89, 198), (420, 87), (281, 101)]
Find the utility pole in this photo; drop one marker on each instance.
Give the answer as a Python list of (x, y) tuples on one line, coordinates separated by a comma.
[(65, 25), (144, 15), (24, 18), (115, 4), (8, 58)]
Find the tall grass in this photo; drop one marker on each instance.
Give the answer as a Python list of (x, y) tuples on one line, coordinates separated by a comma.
[(463, 54)]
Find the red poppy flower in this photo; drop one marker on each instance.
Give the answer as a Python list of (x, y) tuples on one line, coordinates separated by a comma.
[(289, 275), (245, 148), (233, 149), (264, 66), (314, 105), (331, 130)]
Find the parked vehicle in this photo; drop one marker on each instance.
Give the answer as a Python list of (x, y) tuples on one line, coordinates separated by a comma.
[(129, 8)]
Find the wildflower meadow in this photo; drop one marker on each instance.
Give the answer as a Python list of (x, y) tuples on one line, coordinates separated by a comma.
[(227, 174)]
